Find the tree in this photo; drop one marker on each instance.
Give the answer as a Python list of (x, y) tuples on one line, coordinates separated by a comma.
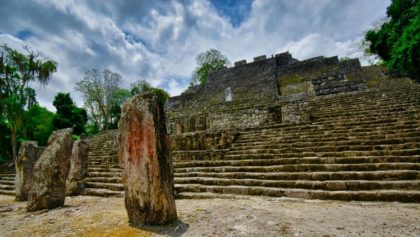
[(68, 114), (6, 148), (143, 86), (120, 97), (38, 124), (16, 71), (397, 40), (99, 90), (207, 62)]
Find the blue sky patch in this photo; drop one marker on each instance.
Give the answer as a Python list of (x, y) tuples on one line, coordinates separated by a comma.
[(24, 34), (235, 11)]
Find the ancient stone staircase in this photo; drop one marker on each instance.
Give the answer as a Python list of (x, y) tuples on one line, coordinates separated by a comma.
[(7, 179), (360, 146), (103, 166)]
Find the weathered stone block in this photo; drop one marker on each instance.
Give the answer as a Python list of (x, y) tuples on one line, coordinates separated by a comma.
[(78, 167), (144, 154), (51, 170), (260, 58), (239, 63), (25, 163)]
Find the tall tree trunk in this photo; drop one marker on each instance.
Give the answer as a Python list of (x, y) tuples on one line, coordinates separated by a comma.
[(13, 142)]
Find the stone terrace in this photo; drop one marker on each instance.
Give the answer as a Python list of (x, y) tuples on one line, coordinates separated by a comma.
[(355, 151), (352, 150)]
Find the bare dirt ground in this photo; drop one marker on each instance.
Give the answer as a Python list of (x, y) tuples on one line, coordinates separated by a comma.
[(243, 216)]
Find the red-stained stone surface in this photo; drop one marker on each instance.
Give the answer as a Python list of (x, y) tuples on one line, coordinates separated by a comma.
[(144, 154)]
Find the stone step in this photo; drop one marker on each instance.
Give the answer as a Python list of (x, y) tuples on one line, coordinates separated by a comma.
[(405, 152), (8, 179), (198, 155), (367, 106), (305, 167), (7, 187), (104, 169), (357, 122), (104, 163), (333, 185), (330, 132), (7, 192), (106, 158), (90, 164), (325, 139), (327, 136), (112, 179), (304, 160), (105, 151), (102, 192), (107, 147), (369, 122), (7, 182), (101, 152), (375, 99), (206, 195), (102, 155), (347, 122), (105, 174), (329, 148), (8, 176), (110, 186), (349, 114), (7, 170), (344, 121), (355, 142), (320, 176), (378, 103), (371, 111), (371, 195)]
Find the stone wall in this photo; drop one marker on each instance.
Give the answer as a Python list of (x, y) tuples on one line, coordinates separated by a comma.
[(321, 76), (204, 140), (266, 91)]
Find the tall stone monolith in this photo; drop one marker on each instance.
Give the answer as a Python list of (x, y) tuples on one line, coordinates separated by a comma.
[(76, 181), (24, 165), (50, 173), (144, 154)]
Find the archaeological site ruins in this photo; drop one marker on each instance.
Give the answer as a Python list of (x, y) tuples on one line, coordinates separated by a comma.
[(314, 129)]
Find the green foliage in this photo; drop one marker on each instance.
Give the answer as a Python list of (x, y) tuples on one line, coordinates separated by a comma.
[(121, 96), (140, 87), (161, 94), (343, 59), (68, 114), (17, 70), (5, 151), (38, 124), (143, 86), (92, 129), (75, 137), (397, 41), (207, 62)]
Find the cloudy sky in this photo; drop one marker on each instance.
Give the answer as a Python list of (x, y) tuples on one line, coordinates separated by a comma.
[(158, 40)]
